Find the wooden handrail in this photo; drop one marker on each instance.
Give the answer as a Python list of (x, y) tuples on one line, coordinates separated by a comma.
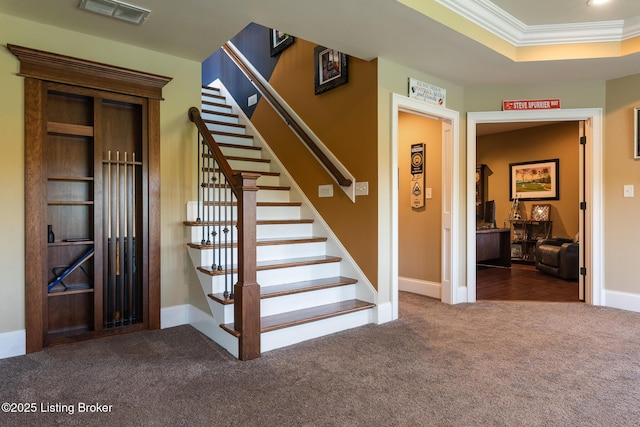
[(295, 126), (196, 118)]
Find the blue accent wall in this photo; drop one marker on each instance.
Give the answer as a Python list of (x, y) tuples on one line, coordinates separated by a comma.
[(253, 42)]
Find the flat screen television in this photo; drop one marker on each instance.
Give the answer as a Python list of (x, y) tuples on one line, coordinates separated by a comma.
[(490, 212)]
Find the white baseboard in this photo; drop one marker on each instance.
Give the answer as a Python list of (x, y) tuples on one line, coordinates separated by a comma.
[(421, 287), (174, 316), (384, 313), (13, 343), (622, 300)]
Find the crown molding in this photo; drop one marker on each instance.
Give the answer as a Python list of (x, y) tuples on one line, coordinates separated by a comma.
[(492, 18)]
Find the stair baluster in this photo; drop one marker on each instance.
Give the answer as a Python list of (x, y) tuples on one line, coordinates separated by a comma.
[(233, 189)]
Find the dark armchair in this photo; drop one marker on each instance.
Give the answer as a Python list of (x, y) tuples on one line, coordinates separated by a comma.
[(559, 257)]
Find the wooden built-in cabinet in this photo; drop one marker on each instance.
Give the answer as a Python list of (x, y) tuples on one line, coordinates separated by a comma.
[(91, 198)]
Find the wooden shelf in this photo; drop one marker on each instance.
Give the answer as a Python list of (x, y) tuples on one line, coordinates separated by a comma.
[(70, 292), (70, 203), (61, 243), (69, 129), (71, 178)]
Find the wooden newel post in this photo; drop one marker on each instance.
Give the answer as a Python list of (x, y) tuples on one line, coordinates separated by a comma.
[(247, 290)]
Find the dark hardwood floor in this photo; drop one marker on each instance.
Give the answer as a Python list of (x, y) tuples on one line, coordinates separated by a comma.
[(522, 283)]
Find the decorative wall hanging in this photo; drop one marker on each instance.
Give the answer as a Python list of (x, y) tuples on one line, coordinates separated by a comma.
[(279, 41), (535, 180), (331, 69), (540, 212), (417, 176)]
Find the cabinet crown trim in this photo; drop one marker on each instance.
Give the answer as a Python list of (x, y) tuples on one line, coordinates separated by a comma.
[(66, 69)]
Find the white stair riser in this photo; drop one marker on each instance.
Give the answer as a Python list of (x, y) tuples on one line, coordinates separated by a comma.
[(210, 90), (241, 152), (216, 109), (262, 212), (264, 231), (276, 276), (229, 256), (268, 180), (278, 230), (225, 127), (244, 165), (283, 304), (298, 274), (273, 196), (230, 139), (293, 335), (278, 212), (219, 117)]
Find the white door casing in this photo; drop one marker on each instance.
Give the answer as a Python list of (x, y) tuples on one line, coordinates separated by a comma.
[(593, 191)]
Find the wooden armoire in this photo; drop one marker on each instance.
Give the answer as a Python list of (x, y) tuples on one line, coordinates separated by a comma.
[(92, 221)]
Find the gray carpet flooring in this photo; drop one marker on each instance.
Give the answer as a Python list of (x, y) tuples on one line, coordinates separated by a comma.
[(487, 364)]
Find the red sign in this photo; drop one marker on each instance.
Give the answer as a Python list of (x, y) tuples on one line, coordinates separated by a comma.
[(531, 104)]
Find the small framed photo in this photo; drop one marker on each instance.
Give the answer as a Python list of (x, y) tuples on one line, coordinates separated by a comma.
[(331, 69), (537, 180), (279, 41), (540, 212)]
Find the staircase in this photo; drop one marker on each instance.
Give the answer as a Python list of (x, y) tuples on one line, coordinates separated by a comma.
[(304, 289)]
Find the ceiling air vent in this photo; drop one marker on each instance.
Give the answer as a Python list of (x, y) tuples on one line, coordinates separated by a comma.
[(116, 9)]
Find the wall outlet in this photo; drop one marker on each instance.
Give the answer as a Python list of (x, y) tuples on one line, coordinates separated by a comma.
[(325, 190), (253, 100), (362, 188)]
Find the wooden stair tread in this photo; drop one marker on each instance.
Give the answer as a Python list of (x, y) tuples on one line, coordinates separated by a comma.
[(307, 315), (235, 135), (239, 146), (240, 158), (260, 187), (280, 263), (272, 241), (259, 204), (258, 222), (292, 288), (216, 104), (211, 88), (219, 113), (216, 170)]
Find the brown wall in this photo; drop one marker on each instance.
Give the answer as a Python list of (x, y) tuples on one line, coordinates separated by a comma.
[(345, 120), (419, 231), (558, 140)]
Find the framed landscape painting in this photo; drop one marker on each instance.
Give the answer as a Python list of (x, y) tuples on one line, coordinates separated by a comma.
[(536, 180)]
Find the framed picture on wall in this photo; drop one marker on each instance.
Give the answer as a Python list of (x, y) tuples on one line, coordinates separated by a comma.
[(279, 41), (537, 180), (331, 69)]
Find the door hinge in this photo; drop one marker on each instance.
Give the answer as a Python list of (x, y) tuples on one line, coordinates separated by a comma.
[(583, 140), (583, 206), (583, 271)]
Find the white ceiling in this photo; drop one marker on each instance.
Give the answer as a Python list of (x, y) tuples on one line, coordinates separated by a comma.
[(366, 29)]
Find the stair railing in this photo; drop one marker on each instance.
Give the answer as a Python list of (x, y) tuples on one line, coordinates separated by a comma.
[(221, 190), (324, 160)]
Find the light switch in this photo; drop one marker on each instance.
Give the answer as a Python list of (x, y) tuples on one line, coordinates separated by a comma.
[(252, 100), (628, 190), (428, 193)]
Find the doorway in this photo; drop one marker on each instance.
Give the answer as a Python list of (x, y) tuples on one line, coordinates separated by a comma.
[(591, 187), (525, 219), (449, 205)]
